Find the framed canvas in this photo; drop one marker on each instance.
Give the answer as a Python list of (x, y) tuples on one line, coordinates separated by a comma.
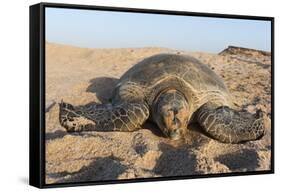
[(123, 95)]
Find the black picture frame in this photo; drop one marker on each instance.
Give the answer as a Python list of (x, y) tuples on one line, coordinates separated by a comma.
[(37, 92)]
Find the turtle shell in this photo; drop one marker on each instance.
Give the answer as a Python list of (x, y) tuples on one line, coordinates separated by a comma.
[(148, 78)]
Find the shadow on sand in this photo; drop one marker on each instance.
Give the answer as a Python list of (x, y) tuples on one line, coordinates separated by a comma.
[(58, 134), (101, 168), (176, 161), (103, 88), (244, 160)]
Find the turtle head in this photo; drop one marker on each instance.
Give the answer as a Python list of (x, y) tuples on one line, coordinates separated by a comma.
[(171, 113)]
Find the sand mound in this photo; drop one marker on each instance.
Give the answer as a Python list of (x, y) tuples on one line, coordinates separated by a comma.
[(80, 76)]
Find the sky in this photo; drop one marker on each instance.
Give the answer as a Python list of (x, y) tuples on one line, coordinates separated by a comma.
[(107, 29)]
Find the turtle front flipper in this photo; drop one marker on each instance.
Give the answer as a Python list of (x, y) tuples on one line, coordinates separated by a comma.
[(103, 117), (228, 125)]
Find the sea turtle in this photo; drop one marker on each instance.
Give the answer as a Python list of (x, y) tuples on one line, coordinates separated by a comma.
[(173, 91)]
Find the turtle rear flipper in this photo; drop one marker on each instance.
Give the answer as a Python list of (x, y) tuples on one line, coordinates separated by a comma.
[(230, 126), (103, 117)]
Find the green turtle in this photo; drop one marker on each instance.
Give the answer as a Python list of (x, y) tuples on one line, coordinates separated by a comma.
[(173, 91)]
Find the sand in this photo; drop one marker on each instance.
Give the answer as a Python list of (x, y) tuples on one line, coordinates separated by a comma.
[(80, 76)]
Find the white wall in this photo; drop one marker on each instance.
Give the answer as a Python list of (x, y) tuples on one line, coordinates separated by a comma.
[(14, 38)]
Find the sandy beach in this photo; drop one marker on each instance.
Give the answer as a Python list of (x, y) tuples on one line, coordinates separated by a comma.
[(83, 75)]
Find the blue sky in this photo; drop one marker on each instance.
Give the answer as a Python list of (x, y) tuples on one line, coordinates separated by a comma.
[(104, 29)]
